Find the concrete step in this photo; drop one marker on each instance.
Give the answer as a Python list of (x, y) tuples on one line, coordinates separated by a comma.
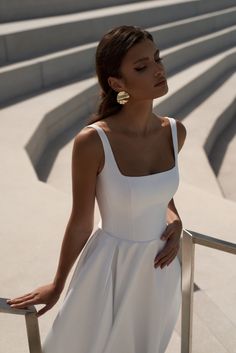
[(20, 40), (29, 77), (194, 27), (216, 319), (28, 10), (39, 119), (12, 11), (213, 331), (61, 32), (222, 156), (18, 81), (205, 123), (187, 84)]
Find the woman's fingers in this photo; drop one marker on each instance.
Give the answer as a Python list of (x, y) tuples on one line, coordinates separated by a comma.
[(171, 259), (20, 299), (47, 294), (167, 233), (162, 258), (167, 260), (164, 252), (24, 303)]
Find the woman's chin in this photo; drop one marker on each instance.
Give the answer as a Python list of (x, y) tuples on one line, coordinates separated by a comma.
[(162, 92)]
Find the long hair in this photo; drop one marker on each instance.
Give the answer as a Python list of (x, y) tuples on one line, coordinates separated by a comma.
[(108, 58)]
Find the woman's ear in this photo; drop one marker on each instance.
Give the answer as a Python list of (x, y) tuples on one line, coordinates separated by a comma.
[(115, 84)]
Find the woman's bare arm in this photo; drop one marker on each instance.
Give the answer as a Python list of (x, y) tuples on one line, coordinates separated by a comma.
[(172, 213), (86, 159)]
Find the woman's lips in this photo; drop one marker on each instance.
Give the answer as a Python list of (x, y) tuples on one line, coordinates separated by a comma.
[(161, 82)]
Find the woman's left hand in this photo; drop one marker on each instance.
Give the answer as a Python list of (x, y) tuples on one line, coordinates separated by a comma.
[(172, 234)]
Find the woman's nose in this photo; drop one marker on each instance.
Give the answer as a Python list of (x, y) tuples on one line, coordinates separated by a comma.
[(157, 70), (158, 74)]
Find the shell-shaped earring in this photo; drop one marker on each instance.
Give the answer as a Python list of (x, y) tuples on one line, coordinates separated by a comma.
[(122, 97)]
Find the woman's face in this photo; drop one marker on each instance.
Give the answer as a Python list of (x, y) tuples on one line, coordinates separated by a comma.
[(142, 72)]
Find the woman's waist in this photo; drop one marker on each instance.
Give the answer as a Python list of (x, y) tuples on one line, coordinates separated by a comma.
[(133, 234)]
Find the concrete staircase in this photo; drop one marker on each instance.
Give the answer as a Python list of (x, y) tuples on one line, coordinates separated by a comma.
[(30, 65), (48, 88)]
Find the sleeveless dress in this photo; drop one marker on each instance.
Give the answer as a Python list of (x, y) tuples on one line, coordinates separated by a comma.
[(117, 301)]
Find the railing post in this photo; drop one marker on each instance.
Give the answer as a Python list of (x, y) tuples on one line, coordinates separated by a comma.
[(190, 238), (187, 291), (31, 321)]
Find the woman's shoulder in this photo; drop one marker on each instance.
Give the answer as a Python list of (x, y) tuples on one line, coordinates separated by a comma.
[(87, 141), (106, 123), (181, 133), (180, 128)]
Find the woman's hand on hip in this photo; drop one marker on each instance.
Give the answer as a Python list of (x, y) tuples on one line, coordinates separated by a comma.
[(172, 236), (48, 294)]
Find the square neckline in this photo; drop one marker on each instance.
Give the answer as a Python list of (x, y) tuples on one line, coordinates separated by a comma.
[(137, 176)]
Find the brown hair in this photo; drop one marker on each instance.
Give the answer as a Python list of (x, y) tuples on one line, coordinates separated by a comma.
[(109, 55)]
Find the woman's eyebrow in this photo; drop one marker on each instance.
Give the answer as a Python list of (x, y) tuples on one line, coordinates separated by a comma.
[(146, 58)]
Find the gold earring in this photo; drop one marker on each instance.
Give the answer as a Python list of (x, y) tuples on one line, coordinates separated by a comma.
[(122, 97)]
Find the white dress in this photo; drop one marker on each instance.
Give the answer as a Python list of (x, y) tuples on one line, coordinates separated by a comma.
[(117, 301)]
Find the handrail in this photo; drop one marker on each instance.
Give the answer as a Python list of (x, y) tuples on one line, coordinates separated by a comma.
[(31, 321), (190, 238)]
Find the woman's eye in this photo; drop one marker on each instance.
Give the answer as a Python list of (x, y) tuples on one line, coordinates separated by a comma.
[(142, 68)]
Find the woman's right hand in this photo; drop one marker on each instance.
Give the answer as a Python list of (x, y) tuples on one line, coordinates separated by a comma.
[(48, 294)]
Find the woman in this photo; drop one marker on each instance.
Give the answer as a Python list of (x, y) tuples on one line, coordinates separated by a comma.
[(125, 292)]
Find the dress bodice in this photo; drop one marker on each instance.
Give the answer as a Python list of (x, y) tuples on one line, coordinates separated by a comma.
[(129, 205)]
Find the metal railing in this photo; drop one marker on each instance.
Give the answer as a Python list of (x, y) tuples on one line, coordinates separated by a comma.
[(190, 238), (186, 256), (31, 321)]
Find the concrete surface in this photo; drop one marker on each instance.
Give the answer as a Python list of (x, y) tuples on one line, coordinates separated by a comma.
[(223, 159), (62, 58), (36, 137)]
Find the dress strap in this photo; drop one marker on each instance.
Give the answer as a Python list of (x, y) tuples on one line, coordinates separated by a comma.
[(174, 137), (105, 142)]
